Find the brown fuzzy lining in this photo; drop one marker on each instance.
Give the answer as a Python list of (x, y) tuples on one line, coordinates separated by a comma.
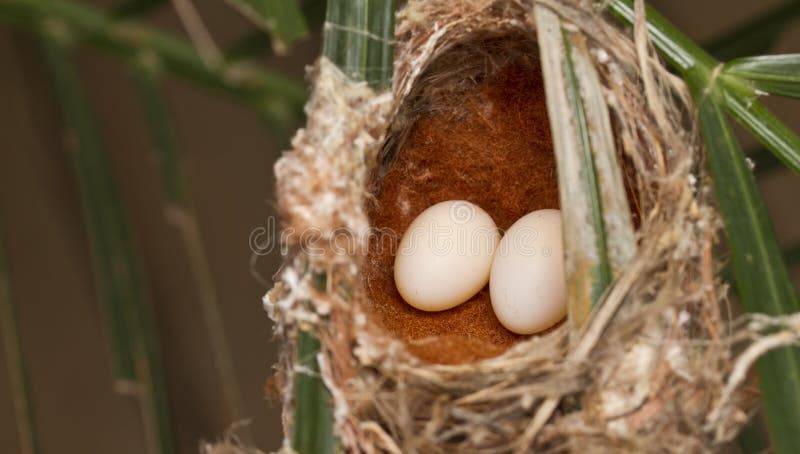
[(486, 141)]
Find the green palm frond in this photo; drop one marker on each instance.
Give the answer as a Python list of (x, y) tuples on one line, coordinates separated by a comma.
[(760, 273), (130, 323), (277, 97)]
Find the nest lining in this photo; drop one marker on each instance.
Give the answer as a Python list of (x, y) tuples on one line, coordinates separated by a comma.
[(476, 132), (651, 365)]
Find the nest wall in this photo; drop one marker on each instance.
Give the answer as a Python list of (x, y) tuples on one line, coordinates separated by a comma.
[(651, 366)]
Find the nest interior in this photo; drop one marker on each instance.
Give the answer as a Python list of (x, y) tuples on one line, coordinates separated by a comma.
[(475, 129)]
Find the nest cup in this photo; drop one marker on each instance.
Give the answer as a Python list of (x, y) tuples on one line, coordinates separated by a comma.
[(474, 127), (645, 371)]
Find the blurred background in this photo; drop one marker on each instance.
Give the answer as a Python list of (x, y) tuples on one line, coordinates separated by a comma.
[(189, 231)]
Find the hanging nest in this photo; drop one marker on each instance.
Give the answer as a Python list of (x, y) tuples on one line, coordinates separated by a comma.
[(651, 370)]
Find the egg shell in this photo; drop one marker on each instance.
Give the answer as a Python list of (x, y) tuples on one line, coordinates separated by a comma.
[(445, 255), (527, 284)]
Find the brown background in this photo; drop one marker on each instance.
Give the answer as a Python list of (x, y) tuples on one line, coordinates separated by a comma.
[(229, 159)]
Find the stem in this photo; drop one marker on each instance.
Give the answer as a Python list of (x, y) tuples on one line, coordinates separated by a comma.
[(313, 431), (282, 19), (359, 39), (739, 98), (260, 88), (198, 33), (259, 42), (356, 35), (380, 48), (761, 123), (99, 205), (680, 51)]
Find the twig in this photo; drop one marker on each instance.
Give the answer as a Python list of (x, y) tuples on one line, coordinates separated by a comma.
[(650, 86)]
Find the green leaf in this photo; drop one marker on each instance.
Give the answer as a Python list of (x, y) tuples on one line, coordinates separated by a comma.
[(157, 118), (99, 205), (258, 42), (380, 44), (282, 19), (21, 398), (752, 438), (757, 35), (770, 131), (130, 326), (739, 98), (761, 277), (128, 40), (776, 74)]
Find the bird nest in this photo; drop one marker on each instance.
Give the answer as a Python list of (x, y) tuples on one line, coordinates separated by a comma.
[(653, 368)]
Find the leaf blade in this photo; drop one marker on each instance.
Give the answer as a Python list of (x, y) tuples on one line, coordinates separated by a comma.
[(762, 124), (115, 266), (359, 39), (760, 274), (89, 165), (776, 74), (248, 83)]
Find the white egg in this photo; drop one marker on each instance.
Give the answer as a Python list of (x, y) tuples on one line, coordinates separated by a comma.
[(445, 256), (527, 284)]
